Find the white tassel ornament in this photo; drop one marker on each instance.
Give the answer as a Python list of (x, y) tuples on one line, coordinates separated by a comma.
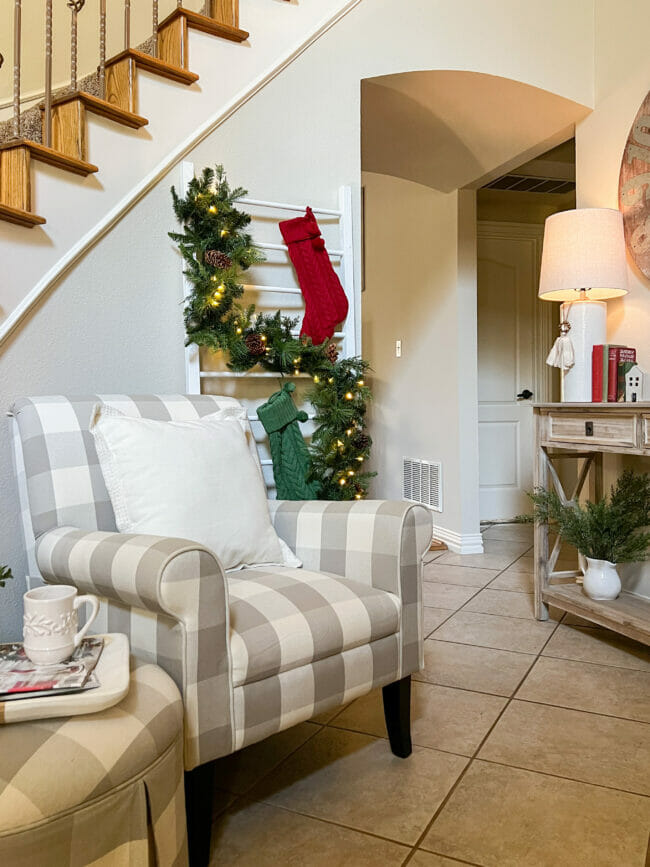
[(562, 354)]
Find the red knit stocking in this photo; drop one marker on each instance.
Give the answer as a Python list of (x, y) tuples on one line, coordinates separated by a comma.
[(325, 302)]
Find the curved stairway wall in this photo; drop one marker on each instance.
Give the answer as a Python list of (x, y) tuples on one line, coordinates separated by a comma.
[(79, 210), (113, 322)]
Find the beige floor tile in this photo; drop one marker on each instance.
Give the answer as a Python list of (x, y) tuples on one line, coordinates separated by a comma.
[(510, 533), (241, 770), (466, 576), (430, 556), (602, 689), (475, 668), (442, 718), (506, 817), (598, 645), (433, 617), (428, 859), (353, 779), (569, 743), (498, 555), (258, 835), (521, 582), (527, 563), (449, 596), (493, 630), (327, 715), (504, 602)]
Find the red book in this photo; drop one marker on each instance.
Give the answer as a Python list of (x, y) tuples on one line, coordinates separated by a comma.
[(612, 377), (597, 373)]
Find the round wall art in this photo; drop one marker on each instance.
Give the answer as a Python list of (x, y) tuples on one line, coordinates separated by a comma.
[(634, 189)]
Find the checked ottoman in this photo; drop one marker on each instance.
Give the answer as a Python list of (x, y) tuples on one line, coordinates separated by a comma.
[(101, 789)]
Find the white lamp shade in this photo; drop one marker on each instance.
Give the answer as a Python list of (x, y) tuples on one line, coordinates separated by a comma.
[(583, 249)]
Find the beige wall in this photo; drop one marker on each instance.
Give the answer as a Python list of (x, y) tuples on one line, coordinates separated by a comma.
[(411, 296), (114, 323)]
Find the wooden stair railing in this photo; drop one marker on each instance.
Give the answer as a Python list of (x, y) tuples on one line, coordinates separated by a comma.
[(64, 117)]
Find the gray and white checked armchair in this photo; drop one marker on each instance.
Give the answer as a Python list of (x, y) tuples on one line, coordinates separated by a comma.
[(253, 652)]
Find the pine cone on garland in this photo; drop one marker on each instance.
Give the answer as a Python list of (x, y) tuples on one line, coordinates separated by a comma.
[(361, 441), (218, 259), (332, 353), (254, 343)]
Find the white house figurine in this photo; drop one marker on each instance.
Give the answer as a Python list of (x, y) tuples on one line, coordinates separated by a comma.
[(637, 386)]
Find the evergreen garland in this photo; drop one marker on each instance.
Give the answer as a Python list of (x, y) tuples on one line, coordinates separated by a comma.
[(217, 250)]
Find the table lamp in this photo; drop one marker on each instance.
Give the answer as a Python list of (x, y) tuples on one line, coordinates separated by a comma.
[(583, 264)]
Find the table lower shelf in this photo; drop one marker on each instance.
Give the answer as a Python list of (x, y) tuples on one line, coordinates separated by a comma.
[(629, 614)]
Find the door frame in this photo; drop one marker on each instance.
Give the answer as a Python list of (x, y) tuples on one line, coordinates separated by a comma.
[(543, 313)]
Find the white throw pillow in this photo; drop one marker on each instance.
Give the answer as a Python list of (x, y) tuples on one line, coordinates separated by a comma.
[(195, 480)]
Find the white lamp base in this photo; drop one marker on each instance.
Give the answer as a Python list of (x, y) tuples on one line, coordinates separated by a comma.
[(588, 320)]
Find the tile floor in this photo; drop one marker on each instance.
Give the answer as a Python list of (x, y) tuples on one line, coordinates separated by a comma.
[(531, 745)]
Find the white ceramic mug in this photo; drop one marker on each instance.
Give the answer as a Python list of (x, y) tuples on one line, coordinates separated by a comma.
[(50, 622)]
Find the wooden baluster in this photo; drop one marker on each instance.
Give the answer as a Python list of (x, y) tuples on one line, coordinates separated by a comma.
[(154, 12), (127, 24), (75, 7), (102, 49), (17, 25), (48, 74)]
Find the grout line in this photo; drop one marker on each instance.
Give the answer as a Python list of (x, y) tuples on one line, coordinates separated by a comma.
[(325, 821), (461, 688), (319, 728), (594, 664), (475, 754), (486, 646), (599, 664), (562, 777), (451, 614), (579, 709), (415, 850), (420, 746)]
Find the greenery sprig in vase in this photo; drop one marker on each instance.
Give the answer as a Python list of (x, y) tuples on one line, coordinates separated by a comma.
[(608, 532)]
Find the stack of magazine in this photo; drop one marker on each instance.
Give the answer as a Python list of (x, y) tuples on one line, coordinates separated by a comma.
[(21, 678)]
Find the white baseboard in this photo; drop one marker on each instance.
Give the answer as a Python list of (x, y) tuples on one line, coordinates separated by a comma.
[(459, 543)]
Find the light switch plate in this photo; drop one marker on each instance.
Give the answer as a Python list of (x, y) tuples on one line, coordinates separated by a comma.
[(398, 349)]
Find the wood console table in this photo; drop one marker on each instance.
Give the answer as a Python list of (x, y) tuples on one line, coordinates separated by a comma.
[(586, 431)]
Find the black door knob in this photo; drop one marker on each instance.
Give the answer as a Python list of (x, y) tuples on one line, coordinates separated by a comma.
[(526, 394)]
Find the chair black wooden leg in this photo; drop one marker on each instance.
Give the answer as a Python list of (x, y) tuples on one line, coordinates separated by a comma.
[(397, 712), (199, 786)]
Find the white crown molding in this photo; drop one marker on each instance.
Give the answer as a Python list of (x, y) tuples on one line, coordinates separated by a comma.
[(459, 543), (76, 252)]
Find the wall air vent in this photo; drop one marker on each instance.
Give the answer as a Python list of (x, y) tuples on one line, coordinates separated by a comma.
[(422, 482)]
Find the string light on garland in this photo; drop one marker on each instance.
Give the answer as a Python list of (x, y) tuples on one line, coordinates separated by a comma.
[(213, 241)]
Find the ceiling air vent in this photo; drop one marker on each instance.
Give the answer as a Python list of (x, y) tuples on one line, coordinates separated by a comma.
[(422, 482), (531, 184)]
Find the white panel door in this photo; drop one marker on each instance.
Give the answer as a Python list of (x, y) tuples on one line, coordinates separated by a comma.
[(507, 299)]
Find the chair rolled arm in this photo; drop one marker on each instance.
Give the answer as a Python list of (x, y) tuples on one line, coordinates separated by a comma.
[(129, 568), (379, 542), (175, 597)]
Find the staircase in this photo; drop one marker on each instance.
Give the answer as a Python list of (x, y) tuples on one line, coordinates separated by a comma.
[(59, 136)]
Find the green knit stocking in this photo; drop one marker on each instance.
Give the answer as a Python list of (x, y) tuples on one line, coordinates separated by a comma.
[(289, 452)]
